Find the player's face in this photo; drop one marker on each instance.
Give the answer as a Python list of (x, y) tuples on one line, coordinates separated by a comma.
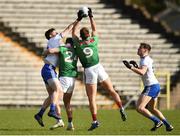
[(141, 52), (53, 33)]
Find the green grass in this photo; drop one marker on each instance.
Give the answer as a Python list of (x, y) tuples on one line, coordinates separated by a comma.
[(21, 122)]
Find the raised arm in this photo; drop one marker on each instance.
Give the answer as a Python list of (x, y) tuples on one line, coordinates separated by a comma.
[(92, 21), (76, 24), (75, 29), (67, 30)]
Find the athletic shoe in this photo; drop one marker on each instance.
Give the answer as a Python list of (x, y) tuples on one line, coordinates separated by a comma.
[(39, 119), (170, 128), (123, 115), (60, 123), (70, 126), (53, 114), (94, 126), (157, 125)]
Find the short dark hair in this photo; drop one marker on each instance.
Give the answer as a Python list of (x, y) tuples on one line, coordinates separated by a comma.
[(48, 32), (84, 33), (145, 46), (69, 40)]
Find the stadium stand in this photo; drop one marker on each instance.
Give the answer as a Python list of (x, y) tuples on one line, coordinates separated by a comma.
[(119, 33), (20, 79)]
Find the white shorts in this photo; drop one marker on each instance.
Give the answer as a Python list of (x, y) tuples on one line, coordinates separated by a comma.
[(67, 84), (95, 74)]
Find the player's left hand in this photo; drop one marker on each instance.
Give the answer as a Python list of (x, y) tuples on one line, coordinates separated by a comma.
[(133, 63), (126, 63), (90, 12), (80, 15)]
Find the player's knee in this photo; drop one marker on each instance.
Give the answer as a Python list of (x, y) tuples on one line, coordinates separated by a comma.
[(140, 109)]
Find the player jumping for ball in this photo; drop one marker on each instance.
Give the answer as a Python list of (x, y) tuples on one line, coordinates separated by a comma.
[(86, 48)]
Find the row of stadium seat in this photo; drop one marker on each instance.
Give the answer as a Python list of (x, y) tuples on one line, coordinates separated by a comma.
[(119, 35)]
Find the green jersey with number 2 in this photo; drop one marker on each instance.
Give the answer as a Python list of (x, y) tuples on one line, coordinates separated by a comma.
[(87, 51), (68, 62)]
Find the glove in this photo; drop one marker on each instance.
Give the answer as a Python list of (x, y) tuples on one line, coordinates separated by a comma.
[(80, 15), (133, 63), (126, 63), (90, 12)]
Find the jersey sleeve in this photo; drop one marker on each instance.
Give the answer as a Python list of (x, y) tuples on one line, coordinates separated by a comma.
[(145, 62)]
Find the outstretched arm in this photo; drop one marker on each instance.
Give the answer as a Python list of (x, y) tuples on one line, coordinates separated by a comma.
[(92, 21), (141, 71), (76, 25), (67, 30), (75, 29)]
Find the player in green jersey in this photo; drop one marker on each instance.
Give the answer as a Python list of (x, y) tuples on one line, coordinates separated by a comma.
[(67, 75), (87, 51)]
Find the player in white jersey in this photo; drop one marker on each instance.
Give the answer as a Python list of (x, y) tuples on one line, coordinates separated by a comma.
[(151, 90), (50, 77)]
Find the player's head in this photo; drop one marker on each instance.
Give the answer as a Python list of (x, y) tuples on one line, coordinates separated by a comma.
[(84, 33), (69, 42), (144, 49), (50, 33)]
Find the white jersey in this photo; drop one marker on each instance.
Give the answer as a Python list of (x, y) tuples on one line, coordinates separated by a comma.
[(53, 42), (148, 78)]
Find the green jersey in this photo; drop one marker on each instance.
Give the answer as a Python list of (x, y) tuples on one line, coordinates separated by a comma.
[(87, 51), (67, 62)]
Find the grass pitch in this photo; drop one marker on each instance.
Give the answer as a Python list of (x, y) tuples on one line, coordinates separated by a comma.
[(21, 122)]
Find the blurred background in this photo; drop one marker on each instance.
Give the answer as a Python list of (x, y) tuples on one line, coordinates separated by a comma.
[(121, 24)]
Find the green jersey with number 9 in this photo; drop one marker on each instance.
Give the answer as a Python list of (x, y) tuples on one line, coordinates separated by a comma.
[(67, 62), (87, 51)]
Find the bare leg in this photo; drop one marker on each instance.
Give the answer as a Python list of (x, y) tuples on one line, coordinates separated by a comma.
[(154, 110), (107, 84), (141, 108), (141, 105), (91, 90), (67, 100)]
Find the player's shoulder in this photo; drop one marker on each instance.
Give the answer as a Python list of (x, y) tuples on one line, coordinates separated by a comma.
[(147, 58)]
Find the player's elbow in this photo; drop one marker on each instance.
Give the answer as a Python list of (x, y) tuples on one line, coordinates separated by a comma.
[(142, 73)]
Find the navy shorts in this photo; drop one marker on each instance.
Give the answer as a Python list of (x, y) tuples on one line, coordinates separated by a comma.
[(152, 90), (48, 72)]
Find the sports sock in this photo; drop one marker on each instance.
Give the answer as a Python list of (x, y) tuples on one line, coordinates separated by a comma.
[(166, 123), (154, 119), (41, 112), (94, 117), (69, 119), (52, 107), (121, 109)]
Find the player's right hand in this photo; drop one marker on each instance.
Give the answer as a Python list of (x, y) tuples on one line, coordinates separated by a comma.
[(133, 63), (126, 63)]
